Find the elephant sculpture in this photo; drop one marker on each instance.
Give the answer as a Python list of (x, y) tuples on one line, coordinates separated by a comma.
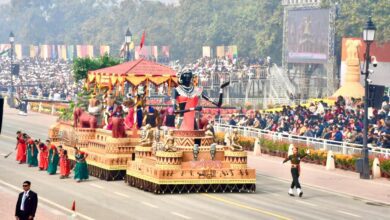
[(83, 119)]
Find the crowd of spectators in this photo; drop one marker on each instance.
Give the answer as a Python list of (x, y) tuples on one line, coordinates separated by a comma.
[(340, 122), (50, 79), (221, 68)]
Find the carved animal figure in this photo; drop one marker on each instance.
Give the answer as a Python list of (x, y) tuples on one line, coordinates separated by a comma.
[(83, 119)]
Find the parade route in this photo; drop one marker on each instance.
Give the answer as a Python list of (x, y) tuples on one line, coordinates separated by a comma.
[(97, 199)]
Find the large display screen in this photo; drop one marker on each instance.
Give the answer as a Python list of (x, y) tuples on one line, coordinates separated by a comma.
[(307, 36)]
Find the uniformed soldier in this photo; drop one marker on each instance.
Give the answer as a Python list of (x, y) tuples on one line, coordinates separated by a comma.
[(295, 159)]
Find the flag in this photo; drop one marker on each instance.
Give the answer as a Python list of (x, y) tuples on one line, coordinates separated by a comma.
[(142, 40)]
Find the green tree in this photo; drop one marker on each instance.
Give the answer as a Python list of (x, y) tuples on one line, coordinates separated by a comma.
[(81, 66)]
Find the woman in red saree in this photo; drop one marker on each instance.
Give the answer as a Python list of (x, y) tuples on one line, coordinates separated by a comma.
[(21, 147), (43, 157), (64, 165)]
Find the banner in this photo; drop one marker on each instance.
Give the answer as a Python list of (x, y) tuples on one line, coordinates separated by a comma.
[(90, 52), (32, 51), (48, 51), (70, 52), (63, 54), (44, 51), (206, 51), (155, 51), (165, 51), (220, 51), (104, 49), (146, 52), (54, 52), (18, 51)]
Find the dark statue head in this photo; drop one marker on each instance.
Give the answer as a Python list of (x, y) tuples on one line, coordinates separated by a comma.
[(186, 78)]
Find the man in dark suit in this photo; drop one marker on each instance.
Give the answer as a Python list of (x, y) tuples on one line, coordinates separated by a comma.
[(27, 203)]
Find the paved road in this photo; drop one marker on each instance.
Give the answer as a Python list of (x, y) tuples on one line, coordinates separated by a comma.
[(96, 199)]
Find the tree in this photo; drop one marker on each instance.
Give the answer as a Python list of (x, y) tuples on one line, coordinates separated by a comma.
[(81, 66)]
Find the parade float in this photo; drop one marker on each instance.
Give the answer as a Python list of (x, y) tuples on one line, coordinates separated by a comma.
[(186, 158), (176, 158), (106, 127)]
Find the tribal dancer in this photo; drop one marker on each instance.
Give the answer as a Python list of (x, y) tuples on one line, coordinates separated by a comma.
[(20, 147), (53, 159), (32, 153), (295, 159), (81, 168), (43, 157), (64, 165)]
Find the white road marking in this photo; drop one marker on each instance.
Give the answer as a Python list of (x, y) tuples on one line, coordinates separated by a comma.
[(121, 194), (306, 203), (271, 193), (350, 214), (150, 205), (180, 215), (97, 186), (49, 202)]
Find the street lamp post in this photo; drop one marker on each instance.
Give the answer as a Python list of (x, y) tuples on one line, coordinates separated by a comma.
[(11, 98), (128, 38), (368, 37)]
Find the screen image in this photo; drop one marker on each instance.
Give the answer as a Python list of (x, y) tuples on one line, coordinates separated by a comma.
[(307, 36)]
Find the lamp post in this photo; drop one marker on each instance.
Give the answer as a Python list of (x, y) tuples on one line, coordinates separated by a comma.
[(128, 38), (11, 101), (368, 37)]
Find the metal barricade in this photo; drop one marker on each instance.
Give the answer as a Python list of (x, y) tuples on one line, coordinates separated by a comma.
[(316, 143)]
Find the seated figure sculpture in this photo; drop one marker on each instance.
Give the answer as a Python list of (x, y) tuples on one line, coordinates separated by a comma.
[(169, 145), (234, 138), (147, 137)]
